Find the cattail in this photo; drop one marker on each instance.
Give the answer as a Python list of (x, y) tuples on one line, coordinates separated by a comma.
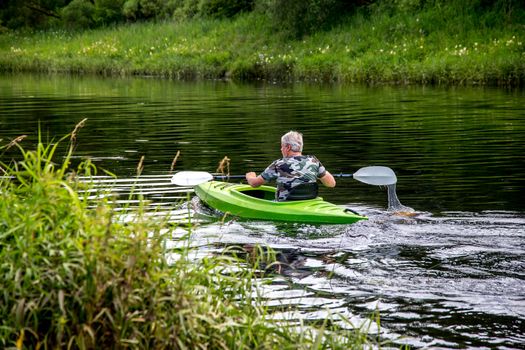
[(174, 161), (77, 128), (16, 141), (140, 166), (225, 162)]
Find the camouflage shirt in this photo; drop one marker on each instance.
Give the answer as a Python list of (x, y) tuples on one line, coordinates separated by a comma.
[(293, 171)]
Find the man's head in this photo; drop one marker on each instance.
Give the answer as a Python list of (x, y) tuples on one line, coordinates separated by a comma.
[(293, 139)]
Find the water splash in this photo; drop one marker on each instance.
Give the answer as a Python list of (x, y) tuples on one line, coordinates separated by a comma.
[(394, 205)]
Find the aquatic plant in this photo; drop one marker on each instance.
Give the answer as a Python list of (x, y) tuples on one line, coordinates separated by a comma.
[(74, 276)]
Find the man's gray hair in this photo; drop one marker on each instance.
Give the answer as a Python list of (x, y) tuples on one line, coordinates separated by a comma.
[(294, 139)]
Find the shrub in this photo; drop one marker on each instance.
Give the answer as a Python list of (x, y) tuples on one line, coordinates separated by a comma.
[(296, 18), (224, 8), (78, 14), (147, 9), (82, 14), (108, 11)]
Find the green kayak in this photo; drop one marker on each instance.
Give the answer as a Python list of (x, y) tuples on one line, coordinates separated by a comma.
[(258, 203)]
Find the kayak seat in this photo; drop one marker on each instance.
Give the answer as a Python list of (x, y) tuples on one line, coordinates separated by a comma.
[(255, 193), (304, 191), (261, 194)]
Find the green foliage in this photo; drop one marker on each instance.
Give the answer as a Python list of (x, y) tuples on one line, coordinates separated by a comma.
[(297, 18), (108, 11), (483, 12), (293, 18), (146, 9), (79, 14), (29, 14), (75, 276), (224, 8), (185, 9), (379, 43)]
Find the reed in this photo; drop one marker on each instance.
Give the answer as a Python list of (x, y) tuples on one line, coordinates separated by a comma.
[(74, 276)]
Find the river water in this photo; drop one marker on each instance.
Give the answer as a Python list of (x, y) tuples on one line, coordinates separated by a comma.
[(450, 274)]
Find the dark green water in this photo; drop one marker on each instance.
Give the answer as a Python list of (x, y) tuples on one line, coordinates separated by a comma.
[(452, 148), (451, 276)]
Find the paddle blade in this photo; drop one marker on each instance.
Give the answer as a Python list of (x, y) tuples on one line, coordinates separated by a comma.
[(190, 178), (376, 175)]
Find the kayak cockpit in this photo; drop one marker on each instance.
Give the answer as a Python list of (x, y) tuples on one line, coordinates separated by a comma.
[(259, 193), (301, 192)]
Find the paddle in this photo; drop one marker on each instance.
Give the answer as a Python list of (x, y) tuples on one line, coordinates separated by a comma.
[(371, 175)]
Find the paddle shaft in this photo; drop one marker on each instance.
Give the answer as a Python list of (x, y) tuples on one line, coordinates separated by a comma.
[(224, 177), (371, 175)]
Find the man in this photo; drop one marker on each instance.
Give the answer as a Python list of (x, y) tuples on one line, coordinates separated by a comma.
[(295, 173)]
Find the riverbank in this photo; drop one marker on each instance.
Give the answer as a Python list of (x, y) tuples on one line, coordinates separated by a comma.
[(429, 47)]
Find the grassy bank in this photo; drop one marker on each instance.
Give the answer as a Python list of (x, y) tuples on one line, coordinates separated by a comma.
[(73, 276), (442, 45)]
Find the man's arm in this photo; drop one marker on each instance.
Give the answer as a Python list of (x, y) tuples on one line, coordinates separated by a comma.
[(328, 179), (254, 180)]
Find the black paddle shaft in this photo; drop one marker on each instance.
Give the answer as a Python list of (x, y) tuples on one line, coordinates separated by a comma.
[(225, 177)]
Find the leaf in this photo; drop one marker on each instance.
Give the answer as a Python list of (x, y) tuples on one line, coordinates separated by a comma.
[(20, 311), (61, 301), (20, 340)]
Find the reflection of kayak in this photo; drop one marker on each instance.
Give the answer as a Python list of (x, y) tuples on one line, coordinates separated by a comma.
[(258, 203)]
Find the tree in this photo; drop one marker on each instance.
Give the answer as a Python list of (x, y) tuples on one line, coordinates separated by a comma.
[(30, 13)]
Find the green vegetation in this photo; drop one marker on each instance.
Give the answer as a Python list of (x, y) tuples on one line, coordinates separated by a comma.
[(47, 14), (403, 41), (73, 276)]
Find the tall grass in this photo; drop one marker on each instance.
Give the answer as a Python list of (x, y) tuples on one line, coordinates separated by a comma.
[(420, 44), (73, 276)]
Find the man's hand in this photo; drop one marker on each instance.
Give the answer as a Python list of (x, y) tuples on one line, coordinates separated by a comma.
[(254, 180)]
